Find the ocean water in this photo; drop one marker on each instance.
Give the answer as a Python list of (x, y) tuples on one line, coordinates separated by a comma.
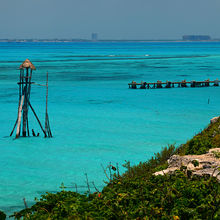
[(94, 117)]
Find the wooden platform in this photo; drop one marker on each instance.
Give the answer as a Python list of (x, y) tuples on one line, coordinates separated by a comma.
[(169, 84)]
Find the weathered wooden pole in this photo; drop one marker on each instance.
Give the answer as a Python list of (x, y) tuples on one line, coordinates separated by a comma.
[(25, 111), (47, 124), (46, 116), (19, 118), (37, 118), (19, 102)]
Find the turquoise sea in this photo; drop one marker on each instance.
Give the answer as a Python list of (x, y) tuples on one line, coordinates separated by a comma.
[(94, 117)]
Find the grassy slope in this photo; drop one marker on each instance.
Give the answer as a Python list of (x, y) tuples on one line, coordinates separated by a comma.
[(202, 142), (137, 194)]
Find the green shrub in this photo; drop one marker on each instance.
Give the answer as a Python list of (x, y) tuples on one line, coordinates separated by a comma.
[(217, 154), (202, 142), (195, 163), (2, 215), (145, 169), (159, 197)]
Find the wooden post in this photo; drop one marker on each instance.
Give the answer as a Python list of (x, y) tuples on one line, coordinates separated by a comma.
[(37, 118), (46, 116), (168, 85), (28, 128), (25, 112), (19, 117), (47, 124), (21, 71), (216, 82), (14, 127), (19, 101), (134, 86), (143, 85), (193, 83)]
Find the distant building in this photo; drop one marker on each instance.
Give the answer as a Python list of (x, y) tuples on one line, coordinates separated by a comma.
[(94, 36), (196, 37)]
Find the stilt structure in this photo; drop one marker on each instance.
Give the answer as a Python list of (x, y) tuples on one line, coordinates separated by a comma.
[(25, 83)]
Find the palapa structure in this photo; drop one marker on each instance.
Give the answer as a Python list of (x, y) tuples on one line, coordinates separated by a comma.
[(26, 69)]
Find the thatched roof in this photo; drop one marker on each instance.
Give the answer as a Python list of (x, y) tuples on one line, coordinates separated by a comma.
[(27, 64)]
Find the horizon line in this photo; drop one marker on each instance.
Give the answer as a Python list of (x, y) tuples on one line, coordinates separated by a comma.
[(90, 40)]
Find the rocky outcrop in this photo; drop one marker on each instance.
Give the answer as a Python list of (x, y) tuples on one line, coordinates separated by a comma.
[(205, 164), (215, 119)]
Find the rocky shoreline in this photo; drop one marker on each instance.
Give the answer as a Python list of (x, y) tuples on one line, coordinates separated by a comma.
[(207, 164), (199, 165)]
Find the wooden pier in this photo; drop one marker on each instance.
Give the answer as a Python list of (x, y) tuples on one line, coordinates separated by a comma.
[(169, 84)]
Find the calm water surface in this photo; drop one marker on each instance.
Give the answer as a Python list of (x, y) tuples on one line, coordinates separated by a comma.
[(95, 118)]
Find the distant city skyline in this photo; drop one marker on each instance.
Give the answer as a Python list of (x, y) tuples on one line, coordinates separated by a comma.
[(94, 38), (115, 19)]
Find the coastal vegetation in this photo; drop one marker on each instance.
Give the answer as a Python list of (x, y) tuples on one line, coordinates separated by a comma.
[(139, 194), (2, 215), (207, 139)]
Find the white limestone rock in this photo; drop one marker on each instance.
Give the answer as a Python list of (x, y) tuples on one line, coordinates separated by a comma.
[(215, 119), (205, 164)]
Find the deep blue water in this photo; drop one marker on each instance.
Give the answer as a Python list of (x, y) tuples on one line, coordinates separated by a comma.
[(94, 117)]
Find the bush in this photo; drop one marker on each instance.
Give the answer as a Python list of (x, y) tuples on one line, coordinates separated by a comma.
[(2, 215), (159, 197), (156, 163), (202, 142)]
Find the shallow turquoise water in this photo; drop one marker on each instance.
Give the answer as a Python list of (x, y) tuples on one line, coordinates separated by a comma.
[(95, 118)]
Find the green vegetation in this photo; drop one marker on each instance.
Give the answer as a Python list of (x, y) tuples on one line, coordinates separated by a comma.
[(217, 154), (2, 215), (159, 197), (195, 163), (202, 142), (137, 194)]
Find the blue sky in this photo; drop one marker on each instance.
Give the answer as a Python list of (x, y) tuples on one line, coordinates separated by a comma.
[(111, 19)]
